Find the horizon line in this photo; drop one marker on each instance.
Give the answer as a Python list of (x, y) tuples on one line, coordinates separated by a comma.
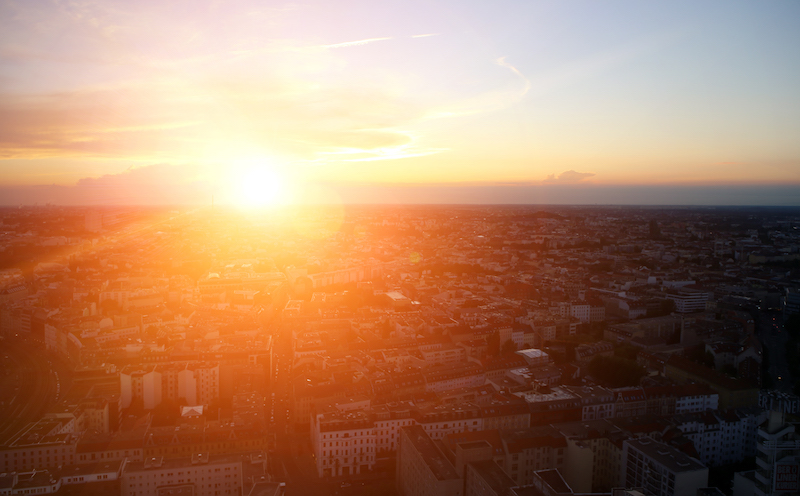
[(360, 204)]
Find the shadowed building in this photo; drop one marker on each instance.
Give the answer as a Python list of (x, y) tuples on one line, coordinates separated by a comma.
[(422, 469)]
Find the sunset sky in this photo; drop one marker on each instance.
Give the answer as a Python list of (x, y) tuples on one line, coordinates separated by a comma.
[(434, 101)]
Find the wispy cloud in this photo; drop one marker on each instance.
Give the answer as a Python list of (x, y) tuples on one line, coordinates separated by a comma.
[(395, 153), (425, 35), (502, 63), (355, 43), (488, 101), (569, 176), (160, 122)]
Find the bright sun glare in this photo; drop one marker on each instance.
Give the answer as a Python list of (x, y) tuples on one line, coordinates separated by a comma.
[(257, 185)]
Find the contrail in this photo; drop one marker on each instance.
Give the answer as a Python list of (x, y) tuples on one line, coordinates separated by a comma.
[(355, 43)]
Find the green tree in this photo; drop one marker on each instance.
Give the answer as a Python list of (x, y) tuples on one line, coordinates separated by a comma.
[(386, 329), (616, 371), (509, 347), (493, 343), (626, 350), (792, 325)]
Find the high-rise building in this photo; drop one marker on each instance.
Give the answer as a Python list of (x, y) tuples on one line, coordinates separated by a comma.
[(778, 458)]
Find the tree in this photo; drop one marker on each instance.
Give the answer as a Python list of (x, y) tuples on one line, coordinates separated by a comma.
[(615, 371), (493, 343), (509, 347), (708, 360), (666, 307), (109, 307), (792, 325), (626, 350), (151, 331), (386, 329), (655, 231)]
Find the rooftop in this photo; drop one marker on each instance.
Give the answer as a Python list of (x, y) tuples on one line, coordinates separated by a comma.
[(671, 458), (441, 468)]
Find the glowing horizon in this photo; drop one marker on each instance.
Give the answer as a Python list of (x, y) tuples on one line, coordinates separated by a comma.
[(148, 100)]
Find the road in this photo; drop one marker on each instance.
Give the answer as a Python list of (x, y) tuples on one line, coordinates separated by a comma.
[(774, 338), (291, 458), (29, 386)]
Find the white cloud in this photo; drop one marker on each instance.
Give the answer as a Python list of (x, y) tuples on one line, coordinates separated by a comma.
[(569, 176)]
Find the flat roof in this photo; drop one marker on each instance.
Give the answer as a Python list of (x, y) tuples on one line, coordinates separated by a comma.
[(494, 476), (673, 459), (533, 353), (553, 478), (555, 395)]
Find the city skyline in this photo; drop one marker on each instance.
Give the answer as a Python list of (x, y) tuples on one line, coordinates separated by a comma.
[(445, 102)]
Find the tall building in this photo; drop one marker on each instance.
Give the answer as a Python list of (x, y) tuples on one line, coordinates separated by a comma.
[(791, 302), (778, 458), (140, 383), (196, 383), (688, 301)]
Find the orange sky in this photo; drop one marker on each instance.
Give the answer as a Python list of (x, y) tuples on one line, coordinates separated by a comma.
[(207, 98)]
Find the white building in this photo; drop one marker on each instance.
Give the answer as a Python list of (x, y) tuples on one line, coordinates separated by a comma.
[(705, 432), (196, 382), (722, 437), (534, 357), (199, 383), (347, 442), (581, 311), (344, 443), (687, 301), (691, 400), (389, 419), (140, 383)]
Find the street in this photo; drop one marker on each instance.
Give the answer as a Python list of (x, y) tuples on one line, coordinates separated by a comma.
[(30, 385), (773, 339)]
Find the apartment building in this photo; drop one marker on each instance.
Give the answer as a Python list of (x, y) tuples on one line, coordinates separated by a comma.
[(344, 443), (422, 469), (660, 469)]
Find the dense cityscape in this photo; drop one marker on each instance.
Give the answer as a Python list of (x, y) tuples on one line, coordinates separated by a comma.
[(407, 350), (436, 248)]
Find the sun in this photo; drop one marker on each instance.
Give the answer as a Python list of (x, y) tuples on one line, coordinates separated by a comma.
[(258, 185)]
